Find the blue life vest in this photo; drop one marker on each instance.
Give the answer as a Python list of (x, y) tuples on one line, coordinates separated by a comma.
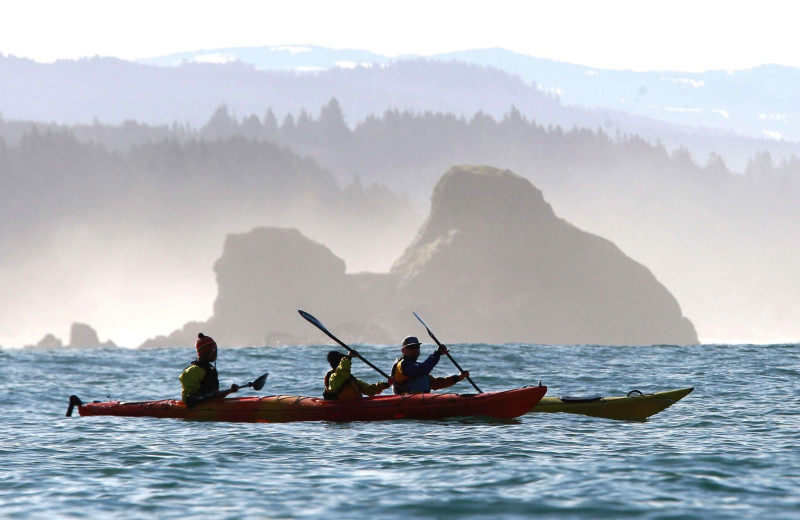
[(405, 385)]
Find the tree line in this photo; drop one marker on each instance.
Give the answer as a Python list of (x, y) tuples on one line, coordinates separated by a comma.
[(400, 140)]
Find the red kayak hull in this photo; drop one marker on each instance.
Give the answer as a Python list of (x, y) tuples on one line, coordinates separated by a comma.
[(286, 408)]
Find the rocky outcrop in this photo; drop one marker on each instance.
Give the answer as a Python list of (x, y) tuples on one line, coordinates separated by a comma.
[(81, 336), (185, 336), (492, 263), (47, 342), (264, 276), (84, 336)]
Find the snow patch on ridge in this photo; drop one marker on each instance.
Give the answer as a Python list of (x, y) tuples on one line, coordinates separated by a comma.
[(292, 49), (352, 64), (683, 110), (217, 57), (696, 83), (773, 117), (723, 113)]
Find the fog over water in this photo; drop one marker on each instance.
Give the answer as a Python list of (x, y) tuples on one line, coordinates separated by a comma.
[(131, 284), (119, 226)]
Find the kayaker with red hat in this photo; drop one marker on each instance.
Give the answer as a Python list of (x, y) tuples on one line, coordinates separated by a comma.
[(342, 385), (413, 377), (200, 380)]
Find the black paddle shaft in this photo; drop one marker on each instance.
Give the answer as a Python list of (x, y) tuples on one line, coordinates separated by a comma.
[(318, 324), (430, 333)]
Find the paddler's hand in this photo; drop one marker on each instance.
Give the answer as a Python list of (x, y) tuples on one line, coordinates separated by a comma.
[(353, 354), (463, 375), (234, 387), (442, 349)]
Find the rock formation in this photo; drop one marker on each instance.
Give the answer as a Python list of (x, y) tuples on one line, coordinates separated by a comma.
[(494, 263), (84, 336), (266, 275), (80, 336), (491, 264), (47, 342)]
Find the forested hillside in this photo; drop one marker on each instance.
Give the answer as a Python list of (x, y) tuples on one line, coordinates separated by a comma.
[(87, 230), (724, 243)]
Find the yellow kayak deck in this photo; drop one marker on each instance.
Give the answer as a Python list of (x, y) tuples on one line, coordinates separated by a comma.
[(635, 406)]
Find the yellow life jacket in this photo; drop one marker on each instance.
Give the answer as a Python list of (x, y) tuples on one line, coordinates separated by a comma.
[(347, 392), (198, 379)]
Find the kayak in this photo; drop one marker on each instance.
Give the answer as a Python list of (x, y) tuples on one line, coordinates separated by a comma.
[(286, 408), (635, 406)]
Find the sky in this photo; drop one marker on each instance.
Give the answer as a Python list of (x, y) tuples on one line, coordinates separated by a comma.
[(690, 36)]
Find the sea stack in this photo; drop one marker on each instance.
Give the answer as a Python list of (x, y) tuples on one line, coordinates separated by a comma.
[(491, 264)]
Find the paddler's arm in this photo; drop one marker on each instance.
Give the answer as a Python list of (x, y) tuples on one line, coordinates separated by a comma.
[(190, 381), (437, 383), (233, 388), (413, 369), (194, 400), (371, 389)]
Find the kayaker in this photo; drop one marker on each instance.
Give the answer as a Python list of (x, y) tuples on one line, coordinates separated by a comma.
[(199, 380), (413, 377), (341, 385)]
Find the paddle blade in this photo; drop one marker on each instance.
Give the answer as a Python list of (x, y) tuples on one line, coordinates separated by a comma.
[(73, 402), (430, 333), (258, 384), (420, 320), (314, 321)]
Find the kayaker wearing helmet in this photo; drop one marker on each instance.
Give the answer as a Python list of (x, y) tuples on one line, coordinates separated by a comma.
[(199, 380), (412, 377), (341, 385)]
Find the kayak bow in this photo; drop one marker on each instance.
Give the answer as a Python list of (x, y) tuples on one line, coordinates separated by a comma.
[(286, 408)]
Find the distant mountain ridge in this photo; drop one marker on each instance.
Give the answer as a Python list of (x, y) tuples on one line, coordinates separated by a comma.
[(113, 91), (760, 102), (276, 57)]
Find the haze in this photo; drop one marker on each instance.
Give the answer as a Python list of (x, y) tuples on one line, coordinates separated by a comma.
[(134, 264)]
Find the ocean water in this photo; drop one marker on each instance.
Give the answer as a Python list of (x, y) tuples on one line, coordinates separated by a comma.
[(731, 449)]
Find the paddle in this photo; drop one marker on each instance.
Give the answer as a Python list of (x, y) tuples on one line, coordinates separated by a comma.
[(73, 402), (446, 353), (258, 384), (314, 321)]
